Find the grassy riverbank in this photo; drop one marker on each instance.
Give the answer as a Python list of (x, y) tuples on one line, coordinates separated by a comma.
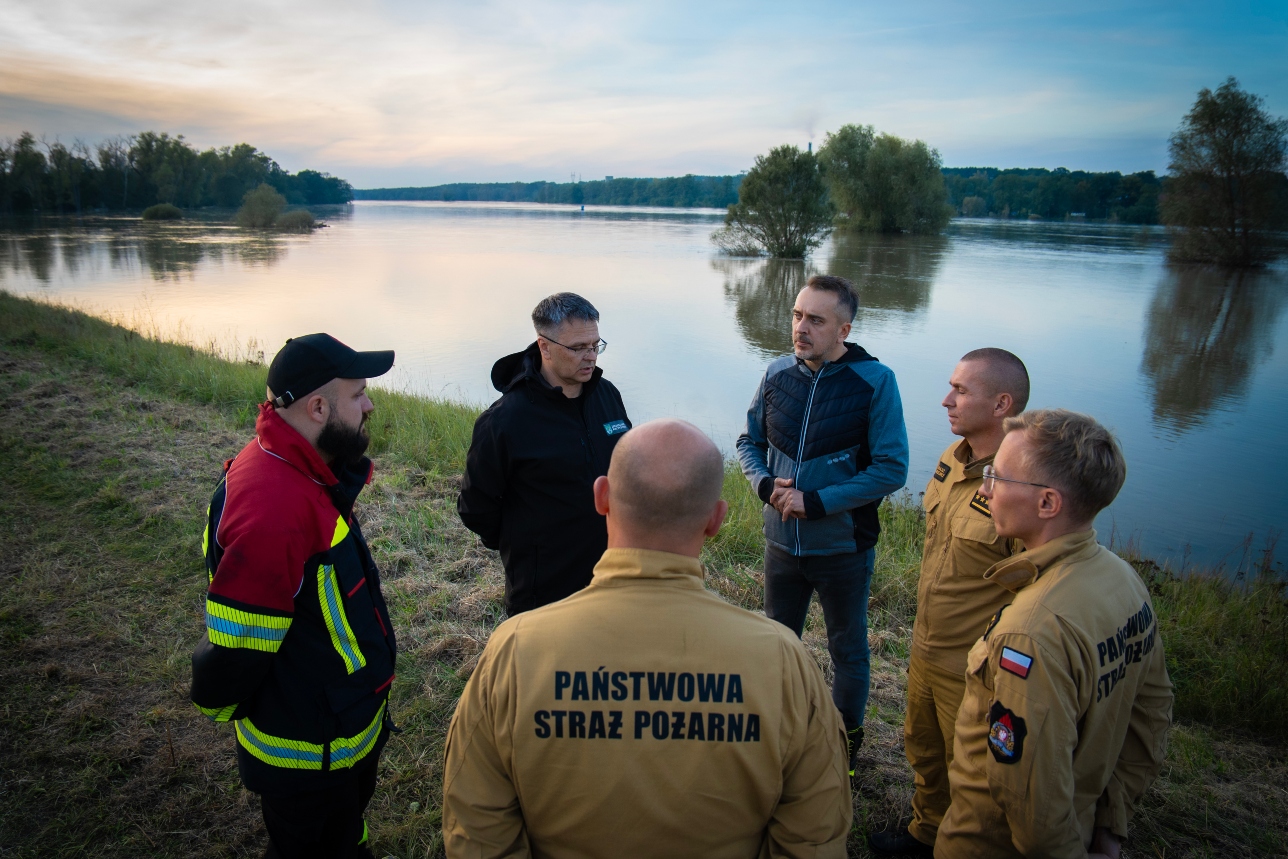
[(112, 444)]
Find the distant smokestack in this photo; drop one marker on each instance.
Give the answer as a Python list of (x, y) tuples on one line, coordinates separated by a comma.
[(809, 147)]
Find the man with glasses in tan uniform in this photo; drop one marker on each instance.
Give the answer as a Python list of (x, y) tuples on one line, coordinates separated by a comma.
[(954, 601), (644, 715), (1064, 723)]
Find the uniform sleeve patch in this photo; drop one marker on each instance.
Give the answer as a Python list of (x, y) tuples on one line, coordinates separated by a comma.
[(980, 503), (1016, 662), (615, 427), (1006, 734), (941, 472)]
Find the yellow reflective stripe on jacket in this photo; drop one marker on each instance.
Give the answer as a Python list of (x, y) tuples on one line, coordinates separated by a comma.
[(299, 755), (230, 627), (347, 752), (346, 643), (341, 531), (218, 714), (278, 752)]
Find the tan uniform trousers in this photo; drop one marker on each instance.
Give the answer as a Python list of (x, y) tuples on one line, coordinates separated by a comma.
[(934, 697)]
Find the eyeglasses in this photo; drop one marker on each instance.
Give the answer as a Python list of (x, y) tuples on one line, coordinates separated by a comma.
[(990, 475), (597, 347)]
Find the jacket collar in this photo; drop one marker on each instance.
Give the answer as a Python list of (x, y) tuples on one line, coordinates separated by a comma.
[(524, 367), (1020, 571), (620, 567), (279, 439), (853, 354), (971, 468)]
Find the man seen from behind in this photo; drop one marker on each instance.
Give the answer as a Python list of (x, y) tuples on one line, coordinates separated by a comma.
[(643, 715), (299, 649), (1064, 722)]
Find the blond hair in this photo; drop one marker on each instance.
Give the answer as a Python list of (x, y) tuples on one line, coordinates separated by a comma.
[(1074, 454)]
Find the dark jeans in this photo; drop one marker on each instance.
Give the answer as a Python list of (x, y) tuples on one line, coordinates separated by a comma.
[(322, 823), (843, 583)]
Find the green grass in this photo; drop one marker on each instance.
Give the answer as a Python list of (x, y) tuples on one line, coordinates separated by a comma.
[(113, 442)]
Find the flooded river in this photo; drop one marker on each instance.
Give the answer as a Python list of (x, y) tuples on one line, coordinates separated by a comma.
[(1189, 366)]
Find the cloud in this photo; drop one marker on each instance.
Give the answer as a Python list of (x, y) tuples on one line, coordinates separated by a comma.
[(506, 90)]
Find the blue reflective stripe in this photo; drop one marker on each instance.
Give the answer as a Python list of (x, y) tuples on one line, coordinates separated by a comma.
[(333, 601), (243, 630), (359, 743), (280, 751)]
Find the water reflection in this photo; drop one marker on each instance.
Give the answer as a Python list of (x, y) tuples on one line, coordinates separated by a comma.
[(173, 253), (1205, 333), (892, 273), (894, 276), (763, 293)]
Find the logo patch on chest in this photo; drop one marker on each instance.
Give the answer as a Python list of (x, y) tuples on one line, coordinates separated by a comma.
[(615, 427), (941, 471), (1015, 662), (980, 503), (1006, 734)]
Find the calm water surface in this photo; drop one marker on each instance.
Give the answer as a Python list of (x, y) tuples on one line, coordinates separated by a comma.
[(1188, 366)]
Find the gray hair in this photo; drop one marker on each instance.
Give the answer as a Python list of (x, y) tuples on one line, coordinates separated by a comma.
[(553, 310)]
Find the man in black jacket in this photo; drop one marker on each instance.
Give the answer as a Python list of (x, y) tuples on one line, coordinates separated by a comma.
[(531, 469)]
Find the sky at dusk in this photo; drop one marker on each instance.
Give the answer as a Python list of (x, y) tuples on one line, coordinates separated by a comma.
[(418, 93)]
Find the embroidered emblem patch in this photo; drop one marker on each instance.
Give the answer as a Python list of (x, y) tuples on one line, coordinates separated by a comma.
[(941, 471), (615, 427), (1006, 734), (1015, 662), (980, 503)]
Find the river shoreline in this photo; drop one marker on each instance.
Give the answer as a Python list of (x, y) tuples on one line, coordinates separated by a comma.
[(114, 442)]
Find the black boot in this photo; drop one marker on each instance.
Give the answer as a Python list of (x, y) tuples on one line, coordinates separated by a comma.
[(898, 842), (853, 739)]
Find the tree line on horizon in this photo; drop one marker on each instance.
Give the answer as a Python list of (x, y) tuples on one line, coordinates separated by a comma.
[(715, 192), (144, 170), (972, 192)]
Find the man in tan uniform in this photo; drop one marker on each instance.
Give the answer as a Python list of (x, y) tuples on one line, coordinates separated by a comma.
[(1064, 723), (643, 715), (954, 601)]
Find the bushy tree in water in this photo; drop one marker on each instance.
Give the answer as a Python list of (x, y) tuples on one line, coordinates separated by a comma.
[(884, 184), (260, 208), (782, 207), (1228, 193)]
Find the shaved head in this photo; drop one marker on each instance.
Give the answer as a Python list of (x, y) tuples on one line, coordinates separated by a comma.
[(1002, 373), (665, 477)]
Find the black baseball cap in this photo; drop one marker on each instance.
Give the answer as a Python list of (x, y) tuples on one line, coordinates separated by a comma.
[(307, 363)]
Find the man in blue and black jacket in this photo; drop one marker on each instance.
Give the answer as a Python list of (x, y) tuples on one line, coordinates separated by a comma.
[(825, 442)]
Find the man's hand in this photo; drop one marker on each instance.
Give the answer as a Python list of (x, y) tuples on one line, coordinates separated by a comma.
[(786, 500), (1105, 845)]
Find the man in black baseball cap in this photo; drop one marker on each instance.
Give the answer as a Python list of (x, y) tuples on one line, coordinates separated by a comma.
[(299, 648)]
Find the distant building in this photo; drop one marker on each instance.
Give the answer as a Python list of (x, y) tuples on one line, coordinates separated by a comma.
[(608, 178)]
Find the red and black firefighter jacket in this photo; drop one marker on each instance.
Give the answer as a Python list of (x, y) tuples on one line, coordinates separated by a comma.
[(299, 649)]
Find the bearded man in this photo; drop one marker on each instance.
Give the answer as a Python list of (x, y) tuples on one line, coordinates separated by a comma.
[(299, 648)]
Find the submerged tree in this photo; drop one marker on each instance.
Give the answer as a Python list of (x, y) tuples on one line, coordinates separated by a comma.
[(884, 184), (1228, 193), (782, 207)]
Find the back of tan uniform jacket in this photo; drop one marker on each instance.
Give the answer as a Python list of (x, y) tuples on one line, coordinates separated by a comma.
[(954, 600), (644, 716), (1064, 723)]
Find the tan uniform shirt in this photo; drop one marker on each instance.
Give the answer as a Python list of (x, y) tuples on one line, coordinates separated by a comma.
[(954, 600), (1064, 723), (645, 716)]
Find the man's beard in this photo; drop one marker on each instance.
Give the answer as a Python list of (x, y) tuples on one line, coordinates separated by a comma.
[(345, 444)]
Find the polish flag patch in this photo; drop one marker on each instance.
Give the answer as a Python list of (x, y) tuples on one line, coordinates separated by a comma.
[(1015, 662)]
